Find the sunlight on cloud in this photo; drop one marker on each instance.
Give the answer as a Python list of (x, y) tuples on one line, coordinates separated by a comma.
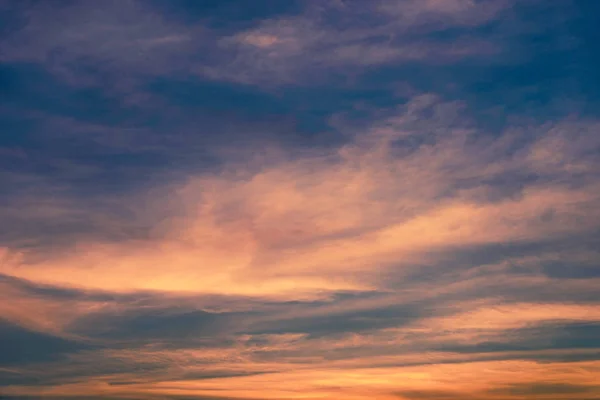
[(455, 379), (331, 222), (260, 40), (278, 237), (513, 316), (318, 200)]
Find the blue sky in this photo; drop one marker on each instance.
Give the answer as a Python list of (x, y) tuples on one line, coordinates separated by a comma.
[(276, 199)]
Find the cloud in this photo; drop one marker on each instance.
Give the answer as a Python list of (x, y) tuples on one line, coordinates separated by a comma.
[(417, 246), (548, 389), (515, 316), (260, 40), (443, 13), (119, 45), (117, 35), (289, 49), (20, 346), (312, 223), (405, 189)]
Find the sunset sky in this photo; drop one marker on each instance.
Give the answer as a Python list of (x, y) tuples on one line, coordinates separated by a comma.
[(300, 199)]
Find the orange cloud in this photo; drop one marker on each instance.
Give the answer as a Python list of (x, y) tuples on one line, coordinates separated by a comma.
[(403, 197), (332, 222), (466, 379)]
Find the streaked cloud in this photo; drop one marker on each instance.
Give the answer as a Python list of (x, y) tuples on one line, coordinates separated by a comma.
[(279, 223), (324, 200), (382, 32), (137, 40), (403, 197)]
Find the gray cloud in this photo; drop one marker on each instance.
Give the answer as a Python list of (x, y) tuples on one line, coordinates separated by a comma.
[(157, 252), (20, 346), (119, 42)]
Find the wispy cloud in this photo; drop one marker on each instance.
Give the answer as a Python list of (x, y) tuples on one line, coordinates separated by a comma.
[(389, 32), (334, 200), (403, 189), (124, 41), (93, 45), (328, 247)]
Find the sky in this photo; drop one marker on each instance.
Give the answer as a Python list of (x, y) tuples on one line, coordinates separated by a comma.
[(299, 199)]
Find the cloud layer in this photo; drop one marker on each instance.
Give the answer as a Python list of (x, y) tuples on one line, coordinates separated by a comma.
[(382, 236)]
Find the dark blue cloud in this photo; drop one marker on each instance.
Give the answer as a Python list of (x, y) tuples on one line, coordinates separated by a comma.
[(49, 292), (566, 336), (435, 395), (157, 324), (570, 270), (540, 389), (102, 101), (20, 346), (525, 79), (226, 15), (546, 68), (346, 322)]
